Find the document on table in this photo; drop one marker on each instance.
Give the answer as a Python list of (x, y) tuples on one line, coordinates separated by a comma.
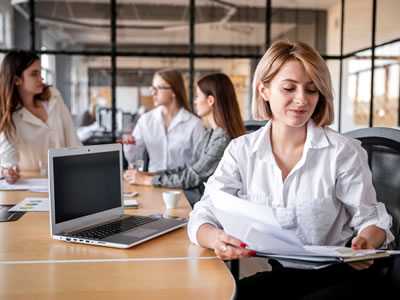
[(32, 184), (257, 227), (130, 203), (32, 204)]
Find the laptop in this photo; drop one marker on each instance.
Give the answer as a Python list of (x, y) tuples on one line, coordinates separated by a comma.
[(86, 200)]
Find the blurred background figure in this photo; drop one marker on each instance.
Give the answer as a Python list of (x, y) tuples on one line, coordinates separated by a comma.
[(215, 102), (88, 117), (169, 132), (33, 116)]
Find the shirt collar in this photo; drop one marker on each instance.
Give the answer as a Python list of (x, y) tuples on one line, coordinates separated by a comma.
[(182, 116), (262, 146), (218, 131), (28, 117), (316, 138)]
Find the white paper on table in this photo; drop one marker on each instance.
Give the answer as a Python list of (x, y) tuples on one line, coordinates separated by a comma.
[(36, 184), (32, 204), (38, 190)]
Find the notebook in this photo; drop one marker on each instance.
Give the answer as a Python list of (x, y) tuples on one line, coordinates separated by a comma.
[(86, 200)]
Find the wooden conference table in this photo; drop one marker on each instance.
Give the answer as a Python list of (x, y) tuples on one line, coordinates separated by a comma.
[(34, 266)]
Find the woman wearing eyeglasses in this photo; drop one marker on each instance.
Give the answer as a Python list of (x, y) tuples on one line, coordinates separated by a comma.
[(170, 131), (216, 102)]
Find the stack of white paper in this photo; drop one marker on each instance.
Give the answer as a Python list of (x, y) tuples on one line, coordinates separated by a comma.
[(32, 184), (256, 226)]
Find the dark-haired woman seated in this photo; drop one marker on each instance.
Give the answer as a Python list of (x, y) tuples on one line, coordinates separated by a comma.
[(215, 101)]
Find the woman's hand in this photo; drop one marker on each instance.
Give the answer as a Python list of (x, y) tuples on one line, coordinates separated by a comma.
[(225, 246), (360, 242), (134, 176), (11, 175)]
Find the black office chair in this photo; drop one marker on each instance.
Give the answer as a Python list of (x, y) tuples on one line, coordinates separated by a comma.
[(253, 125), (383, 148), (146, 160)]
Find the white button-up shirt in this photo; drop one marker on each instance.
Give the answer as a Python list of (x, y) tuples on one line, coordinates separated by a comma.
[(325, 199), (167, 150), (33, 137)]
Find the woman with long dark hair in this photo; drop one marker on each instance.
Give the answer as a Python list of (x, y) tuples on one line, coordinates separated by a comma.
[(33, 116), (216, 102)]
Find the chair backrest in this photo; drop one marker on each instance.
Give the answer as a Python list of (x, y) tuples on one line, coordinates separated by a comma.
[(253, 125), (383, 148)]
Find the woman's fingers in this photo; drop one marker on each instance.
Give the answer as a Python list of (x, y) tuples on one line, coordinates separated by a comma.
[(362, 265), (360, 242), (228, 247), (11, 175), (227, 239)]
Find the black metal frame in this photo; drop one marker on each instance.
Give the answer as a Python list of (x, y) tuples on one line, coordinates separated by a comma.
[(191, 55)]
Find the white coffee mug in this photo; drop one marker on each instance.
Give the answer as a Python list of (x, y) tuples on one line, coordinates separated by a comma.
[(171, 199)]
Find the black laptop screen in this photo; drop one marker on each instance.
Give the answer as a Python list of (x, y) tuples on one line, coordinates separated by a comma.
[(86, 184)]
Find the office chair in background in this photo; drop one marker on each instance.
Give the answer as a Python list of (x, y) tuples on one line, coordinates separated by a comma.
[(383, 148), (253, 125)]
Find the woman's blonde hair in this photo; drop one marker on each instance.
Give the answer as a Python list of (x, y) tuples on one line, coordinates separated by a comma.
[(276, 56), (175, 79)]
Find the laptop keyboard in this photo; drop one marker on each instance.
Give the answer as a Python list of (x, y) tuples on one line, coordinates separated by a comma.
[(109, 229)]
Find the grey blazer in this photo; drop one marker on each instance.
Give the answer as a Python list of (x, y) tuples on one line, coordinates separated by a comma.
[(202, 165)]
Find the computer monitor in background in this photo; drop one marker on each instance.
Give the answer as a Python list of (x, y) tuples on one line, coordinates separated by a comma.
[(124, 120), (104, 117)]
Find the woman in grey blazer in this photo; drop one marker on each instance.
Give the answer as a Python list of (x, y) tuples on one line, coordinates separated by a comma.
[(215, 102)]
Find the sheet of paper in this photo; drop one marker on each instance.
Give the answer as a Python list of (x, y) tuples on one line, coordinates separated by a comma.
[(257, 226), (32, 204), (260, 241), (235, 205), (248, 222), (34, 184), (130, 203)]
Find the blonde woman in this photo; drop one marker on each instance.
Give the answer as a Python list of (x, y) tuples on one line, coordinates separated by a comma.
[(316, 181), (170, 131)]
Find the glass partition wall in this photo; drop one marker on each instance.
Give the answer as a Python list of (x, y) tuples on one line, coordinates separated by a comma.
[(103, 53)]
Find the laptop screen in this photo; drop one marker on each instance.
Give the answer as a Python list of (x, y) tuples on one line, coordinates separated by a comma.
[(86, 184)]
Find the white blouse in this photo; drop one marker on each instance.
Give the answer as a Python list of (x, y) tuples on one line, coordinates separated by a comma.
[(325, 199), (33, 137), (167, 150)]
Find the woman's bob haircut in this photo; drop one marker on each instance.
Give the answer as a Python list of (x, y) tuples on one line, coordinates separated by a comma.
[(276, 56)]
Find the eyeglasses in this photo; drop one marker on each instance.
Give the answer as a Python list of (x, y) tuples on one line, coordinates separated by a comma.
[(156, 89)]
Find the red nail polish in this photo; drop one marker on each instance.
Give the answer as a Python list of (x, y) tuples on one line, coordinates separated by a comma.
[(243, 245), (252, 253)]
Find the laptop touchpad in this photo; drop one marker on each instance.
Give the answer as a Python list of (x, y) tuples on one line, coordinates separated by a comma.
[(141, 232)]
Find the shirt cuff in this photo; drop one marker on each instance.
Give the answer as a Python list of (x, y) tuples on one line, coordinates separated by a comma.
[(155, 181), (194, 226), (383, 221)]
